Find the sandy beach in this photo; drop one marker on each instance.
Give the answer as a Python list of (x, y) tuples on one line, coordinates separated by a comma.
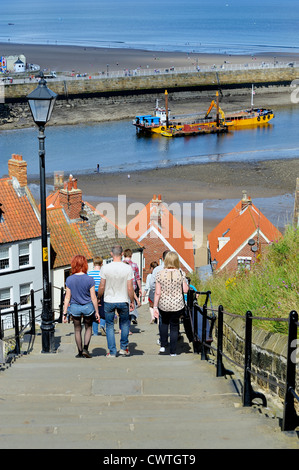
[(193, 183), (96, 59)]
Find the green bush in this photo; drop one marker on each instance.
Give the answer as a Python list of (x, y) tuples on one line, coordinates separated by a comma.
[(269, 289)]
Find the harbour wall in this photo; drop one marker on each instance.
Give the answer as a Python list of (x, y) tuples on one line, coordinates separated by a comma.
[(152, 83), (103, 99)]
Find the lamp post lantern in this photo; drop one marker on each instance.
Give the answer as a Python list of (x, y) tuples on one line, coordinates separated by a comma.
[(41, 102), (214, 264)]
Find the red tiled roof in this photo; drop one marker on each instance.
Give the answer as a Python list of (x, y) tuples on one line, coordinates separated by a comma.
[(66, 240), (168, 228), (69, 238), (21, 216), (240, 225)]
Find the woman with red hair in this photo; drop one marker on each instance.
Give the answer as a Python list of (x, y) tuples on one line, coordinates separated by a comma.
[(80, 300)]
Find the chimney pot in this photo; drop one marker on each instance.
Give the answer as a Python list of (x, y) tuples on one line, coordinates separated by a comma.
[(246, 201), (70, 198), (17, 167)]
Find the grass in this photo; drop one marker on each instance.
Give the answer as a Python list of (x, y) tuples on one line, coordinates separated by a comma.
[(269, 289)]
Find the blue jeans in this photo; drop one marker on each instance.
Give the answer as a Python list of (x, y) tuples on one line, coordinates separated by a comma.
[(122, 309), (95, 325), (77, 310)]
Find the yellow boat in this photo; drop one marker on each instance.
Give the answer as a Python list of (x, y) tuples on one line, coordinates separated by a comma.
[(243, 118), (249, 117), (161, 123)]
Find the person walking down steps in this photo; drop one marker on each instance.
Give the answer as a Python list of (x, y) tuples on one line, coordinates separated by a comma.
[(96, 274), (117, 287), (171, 284), (81, 301)]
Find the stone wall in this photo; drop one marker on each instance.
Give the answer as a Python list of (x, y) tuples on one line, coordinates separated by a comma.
[(172, 82), (269, 354)]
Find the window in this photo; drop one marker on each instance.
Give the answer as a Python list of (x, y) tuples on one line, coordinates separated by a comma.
[(24, 254), (4, 257), (67, 273), (244, 262), (25, 294), (5, 298)]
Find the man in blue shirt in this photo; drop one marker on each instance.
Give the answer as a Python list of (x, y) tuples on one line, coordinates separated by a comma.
[(96, 274)]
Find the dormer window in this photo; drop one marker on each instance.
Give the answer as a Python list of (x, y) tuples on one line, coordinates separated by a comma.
[(222, 241)]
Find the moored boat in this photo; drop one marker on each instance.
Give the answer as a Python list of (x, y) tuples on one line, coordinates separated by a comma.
[(249, 117), (162, 122)]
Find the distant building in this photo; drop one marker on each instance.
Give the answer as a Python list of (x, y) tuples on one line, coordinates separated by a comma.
[(240, 237), (76, 227), (19, 66), (11, 61), (157, 230), (20, 239)]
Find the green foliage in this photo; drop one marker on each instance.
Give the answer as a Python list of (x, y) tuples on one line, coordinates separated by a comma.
[(269, 289)]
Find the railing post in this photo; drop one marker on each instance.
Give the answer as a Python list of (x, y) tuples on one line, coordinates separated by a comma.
[(219, 365), (247, 360), (61, 305), (195, 328), (220, 369), (190, 298), (248, 393), (290, 419), (32, 308), (17, 331), (204, 332)]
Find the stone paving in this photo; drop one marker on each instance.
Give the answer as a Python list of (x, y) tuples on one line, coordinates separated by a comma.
[(145, 401)]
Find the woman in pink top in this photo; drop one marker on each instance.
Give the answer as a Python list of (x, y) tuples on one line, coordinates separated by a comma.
[(169, 300)]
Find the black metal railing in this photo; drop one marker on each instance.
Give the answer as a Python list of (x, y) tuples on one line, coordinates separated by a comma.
[(22, 320), (202, 329)]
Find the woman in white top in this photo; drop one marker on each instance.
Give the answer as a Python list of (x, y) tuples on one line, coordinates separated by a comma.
[(147, 288), (170, 285)]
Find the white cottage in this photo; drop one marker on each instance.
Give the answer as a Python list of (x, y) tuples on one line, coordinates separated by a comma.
[(19, 66), (20, 240)]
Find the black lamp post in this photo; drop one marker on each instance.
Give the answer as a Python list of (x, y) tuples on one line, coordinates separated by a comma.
[(41, 102)]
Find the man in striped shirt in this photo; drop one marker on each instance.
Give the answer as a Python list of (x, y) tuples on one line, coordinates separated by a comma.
[(96, 274), (136, 283)]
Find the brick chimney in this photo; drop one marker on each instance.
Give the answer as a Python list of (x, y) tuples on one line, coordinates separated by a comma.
[(70, 198), (246, 200), (156, 211), (17, 167)]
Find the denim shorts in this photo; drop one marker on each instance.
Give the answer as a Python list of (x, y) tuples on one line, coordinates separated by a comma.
[(77, 310)]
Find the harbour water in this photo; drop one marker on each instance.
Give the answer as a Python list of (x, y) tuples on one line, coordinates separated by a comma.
[(116, 146), (228, 26)]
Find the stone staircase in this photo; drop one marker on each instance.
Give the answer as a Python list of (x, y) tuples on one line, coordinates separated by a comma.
[(145, 401)]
